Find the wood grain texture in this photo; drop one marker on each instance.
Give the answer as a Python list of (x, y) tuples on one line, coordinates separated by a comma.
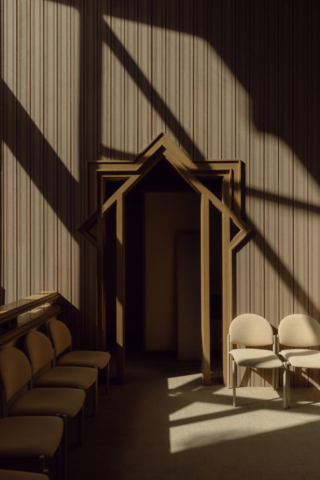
[(85, 81)]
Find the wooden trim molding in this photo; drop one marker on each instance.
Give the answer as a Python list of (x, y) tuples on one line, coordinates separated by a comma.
[(130, 174)]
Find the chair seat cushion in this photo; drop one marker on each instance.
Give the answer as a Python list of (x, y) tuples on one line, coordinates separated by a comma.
[(49, 401), (13, 475), (85, 358), (73, 377), (255, 358), (302, 357), (30, 436)]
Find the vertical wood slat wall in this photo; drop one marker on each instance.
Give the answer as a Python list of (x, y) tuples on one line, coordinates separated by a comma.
[(98, 80)]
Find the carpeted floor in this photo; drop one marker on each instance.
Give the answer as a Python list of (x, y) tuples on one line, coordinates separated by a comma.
[(162, 424)]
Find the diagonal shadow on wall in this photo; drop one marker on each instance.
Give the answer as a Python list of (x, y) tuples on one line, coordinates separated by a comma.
[(90, 138)]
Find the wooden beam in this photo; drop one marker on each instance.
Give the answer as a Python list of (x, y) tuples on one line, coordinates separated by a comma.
[(198, 186), (227, 295), (205, 289), (100, 297), (120, 300)]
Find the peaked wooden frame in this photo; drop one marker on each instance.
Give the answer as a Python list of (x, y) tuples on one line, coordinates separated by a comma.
[(130, 174)]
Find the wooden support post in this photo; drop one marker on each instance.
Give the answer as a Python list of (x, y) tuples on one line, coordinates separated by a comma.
[(205, 289), (100, 313), (120, 307), (227, 283)]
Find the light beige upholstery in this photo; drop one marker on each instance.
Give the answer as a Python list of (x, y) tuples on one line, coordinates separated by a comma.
[(39, 350), (251, 330), (60, 335), (13, 475), (74, 377), (49, 401), (302, 358), (15, 370), (299, 330), (85, 358), (255, 358), (30, 436)]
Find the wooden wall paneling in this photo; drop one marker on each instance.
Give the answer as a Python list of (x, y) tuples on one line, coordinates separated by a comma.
[(78, 181), (286, 264), (300, 161), (228, 83), (50, 156), (63, 150), (92, 78), (117, 76), (23, 149), (91, 142), (214, 80), (200, 80), (300, 186), (144, 63), (271, 168), (172, 69), (158, 74), (256, 166), (285, 159), (186, 118), (9, 208), (130, 123), (242, 151), (36, 146), (2, 132), (313, 106), (106, 61)]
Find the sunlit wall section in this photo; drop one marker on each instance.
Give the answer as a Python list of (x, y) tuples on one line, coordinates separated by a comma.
[(85, 81)]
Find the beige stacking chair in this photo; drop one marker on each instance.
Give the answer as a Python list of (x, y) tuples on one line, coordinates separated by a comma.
[(251, 330), (35, 439), (62, 341), (17, 400), (40, 352), (299, 330), (13, 475)]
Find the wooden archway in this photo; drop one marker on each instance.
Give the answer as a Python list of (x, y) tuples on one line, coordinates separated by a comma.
[(126, 176)]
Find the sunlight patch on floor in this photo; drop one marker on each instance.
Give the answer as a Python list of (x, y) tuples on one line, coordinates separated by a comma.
[(206, 416), (178, 382)]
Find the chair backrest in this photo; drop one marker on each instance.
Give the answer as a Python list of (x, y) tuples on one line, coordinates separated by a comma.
[(15, 370), (298, 330), (60, 335), (39, 350), (251, 330)]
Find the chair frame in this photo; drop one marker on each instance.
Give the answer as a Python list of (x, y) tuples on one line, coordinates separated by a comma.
[(5, 406), (275, 372), (287, 363), (69, 349), (52, 364)]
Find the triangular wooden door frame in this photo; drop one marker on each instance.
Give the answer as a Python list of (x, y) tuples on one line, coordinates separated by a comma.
[(130, 174)]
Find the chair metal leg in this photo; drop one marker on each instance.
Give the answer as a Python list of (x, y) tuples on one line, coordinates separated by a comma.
[(64, 447), (288, 385), (107, 378), (273, 378), (228, 361), (42, 461), (80, 426), (96, 397), (285, 399), (234, 381)]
